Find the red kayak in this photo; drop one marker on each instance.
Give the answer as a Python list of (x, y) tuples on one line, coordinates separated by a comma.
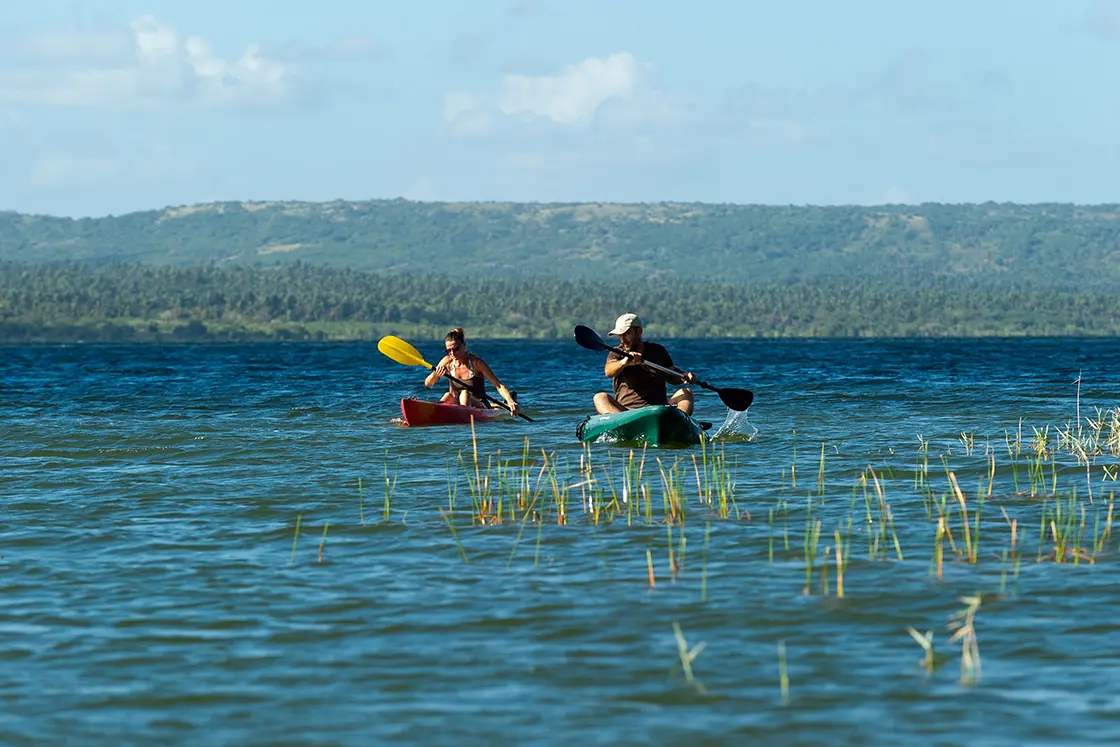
[(417, 412)]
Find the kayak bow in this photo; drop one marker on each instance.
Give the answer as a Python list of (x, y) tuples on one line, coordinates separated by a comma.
[(656, 425)]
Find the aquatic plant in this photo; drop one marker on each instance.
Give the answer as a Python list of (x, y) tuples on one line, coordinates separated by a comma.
[(323, 540), (687, 657), (647, 488), (783, 673), (964, 625)]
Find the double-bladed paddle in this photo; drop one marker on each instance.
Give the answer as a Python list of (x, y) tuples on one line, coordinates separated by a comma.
[(736, 399), (407, 355)]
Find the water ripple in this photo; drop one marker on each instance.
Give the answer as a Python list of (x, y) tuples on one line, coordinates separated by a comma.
[(155, 589)]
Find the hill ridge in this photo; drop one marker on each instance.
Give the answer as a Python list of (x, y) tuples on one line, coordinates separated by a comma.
[(1050, 244)]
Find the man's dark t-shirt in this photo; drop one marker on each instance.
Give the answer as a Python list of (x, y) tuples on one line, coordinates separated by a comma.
[(638, 386)]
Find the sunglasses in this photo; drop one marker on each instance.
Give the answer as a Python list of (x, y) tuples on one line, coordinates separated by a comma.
[(453, 349)]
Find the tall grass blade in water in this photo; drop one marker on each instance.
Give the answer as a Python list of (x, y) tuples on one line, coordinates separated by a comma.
[(455, 534), (926, 642), (323, 541), (295, 537), (361, 511), (964, 623), (688, 656), (783, 673), (390, 487)]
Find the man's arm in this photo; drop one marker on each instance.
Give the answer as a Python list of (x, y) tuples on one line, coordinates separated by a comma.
[(615, 363)]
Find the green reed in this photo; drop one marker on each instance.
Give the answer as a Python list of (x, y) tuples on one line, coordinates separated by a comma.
[(811, 546), (455, 535), (361, 512), (925, 640), (673, 501), (770, 537), (687, 657), (964, 625), (295, 537), (717, 486), (1040, 483), (390, 488), (783, 673), (323, 540), (793, 466), (820, 477), (841, 563)]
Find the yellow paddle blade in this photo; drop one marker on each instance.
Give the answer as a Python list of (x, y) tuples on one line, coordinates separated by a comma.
[(401, 351)]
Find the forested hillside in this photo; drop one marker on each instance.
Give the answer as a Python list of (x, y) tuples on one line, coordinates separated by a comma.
[(51, 302), (1063, 247)]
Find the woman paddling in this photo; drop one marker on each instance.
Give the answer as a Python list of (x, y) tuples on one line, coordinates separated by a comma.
[(469, 369)]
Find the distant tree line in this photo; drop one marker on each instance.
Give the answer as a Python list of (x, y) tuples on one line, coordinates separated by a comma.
[(127, 301)]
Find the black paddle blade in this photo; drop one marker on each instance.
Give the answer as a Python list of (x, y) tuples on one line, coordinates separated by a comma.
[(737, 399), (586, 338)]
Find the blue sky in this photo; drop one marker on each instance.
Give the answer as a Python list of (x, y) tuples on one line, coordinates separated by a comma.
[(125, 105)]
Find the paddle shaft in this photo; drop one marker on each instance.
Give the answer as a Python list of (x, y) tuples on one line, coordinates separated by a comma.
[(485, 397), (736, 399), (662, 369)]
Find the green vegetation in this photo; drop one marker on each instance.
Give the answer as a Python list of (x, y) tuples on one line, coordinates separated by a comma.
[(69, 301), (358, 270), (971, 520), (1057, 246)]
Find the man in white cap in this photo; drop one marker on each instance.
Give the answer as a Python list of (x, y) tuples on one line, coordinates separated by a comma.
[(636, 385)]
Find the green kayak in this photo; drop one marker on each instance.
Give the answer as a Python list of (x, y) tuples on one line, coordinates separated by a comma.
[(657, 425)]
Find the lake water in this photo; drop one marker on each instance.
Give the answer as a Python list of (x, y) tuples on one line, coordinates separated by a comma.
[(153, 589)]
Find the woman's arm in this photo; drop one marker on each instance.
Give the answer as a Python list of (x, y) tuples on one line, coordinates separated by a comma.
[(435, 373), (484, 367)]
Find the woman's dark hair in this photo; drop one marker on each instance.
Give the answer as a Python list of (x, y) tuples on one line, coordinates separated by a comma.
[(456, 335)]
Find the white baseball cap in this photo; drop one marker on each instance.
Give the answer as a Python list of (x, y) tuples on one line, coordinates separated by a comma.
[(625, 322)]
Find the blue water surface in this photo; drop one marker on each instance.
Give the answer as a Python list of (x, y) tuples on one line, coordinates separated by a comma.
[(154, 588)]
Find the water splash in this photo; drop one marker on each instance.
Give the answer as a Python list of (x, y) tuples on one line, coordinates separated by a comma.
[(736, 427)]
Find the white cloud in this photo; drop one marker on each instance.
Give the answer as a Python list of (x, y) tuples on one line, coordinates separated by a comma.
[(148, 63), (575, 94), (572, 97)]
